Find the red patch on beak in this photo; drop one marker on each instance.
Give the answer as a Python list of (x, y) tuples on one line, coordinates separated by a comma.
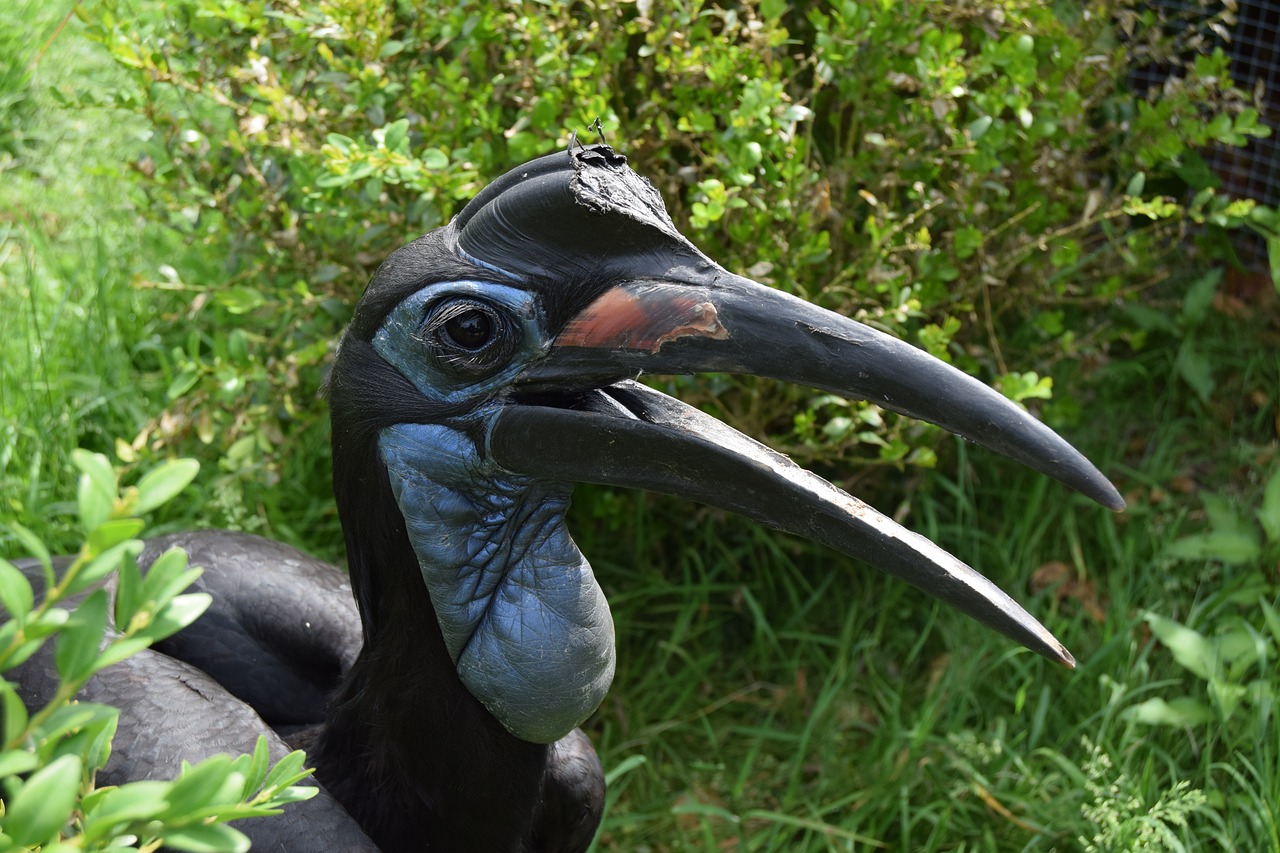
[(643, 319)]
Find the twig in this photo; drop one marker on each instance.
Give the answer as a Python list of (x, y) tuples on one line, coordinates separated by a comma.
[(56, 32)]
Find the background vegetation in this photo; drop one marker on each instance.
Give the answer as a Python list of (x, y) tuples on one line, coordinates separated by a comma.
[(193, 193)]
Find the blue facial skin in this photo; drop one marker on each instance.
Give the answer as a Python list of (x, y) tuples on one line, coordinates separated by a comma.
[(521, 613)]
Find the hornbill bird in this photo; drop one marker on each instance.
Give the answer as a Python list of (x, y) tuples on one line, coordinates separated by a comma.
[(489, 366)]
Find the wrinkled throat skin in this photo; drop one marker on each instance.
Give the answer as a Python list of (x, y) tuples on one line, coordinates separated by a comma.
[(522, 615)]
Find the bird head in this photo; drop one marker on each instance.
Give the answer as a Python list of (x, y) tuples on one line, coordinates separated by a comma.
[(490, 365)]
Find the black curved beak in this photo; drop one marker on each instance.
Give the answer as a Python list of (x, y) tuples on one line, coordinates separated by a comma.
[(627, 294), (579, 424)]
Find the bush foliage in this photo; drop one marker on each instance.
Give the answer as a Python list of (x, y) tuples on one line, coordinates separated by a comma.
[(978, 179)]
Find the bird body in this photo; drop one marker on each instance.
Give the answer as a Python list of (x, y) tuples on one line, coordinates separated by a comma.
[(488, 367)]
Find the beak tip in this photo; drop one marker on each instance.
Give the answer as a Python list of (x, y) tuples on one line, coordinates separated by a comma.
[(1065, 657)]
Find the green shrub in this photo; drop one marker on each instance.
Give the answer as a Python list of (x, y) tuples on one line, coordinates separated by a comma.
[(979, 180), (50, 755)]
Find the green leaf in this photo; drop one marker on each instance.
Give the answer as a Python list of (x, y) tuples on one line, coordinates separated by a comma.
[(343, 143), (35, 548), (1225, 546), (111, 533), (121, 649), (292, 794), (434, 160), (207, 838), (1199, 298), (1227, 696), (97, 488), (1272, 618), (16, 594), (1190, 649), (134, 801), (287, 770), (162, 484), (1194, 368), (67, 720), (240, 300), (211, 783), (166, 572), (1182, 713), (43, 805), (255, 773), (967, 241), (77, 645), (176, 615), (1269, 512), (98, 469), (128, 592), (396, 137), (182, 382), (15, 761), (15, 712), (104, 564)]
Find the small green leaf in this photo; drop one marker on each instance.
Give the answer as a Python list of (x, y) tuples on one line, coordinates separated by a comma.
[(1194, 368), (16, 594), (15, 761), (43, 805), (166, 571), (1190, 649), (1225, 546), (207, 838), (94, 501), (120, 649), (1181, 713), (162, 484), (15, 713), (67, 720), (176, 615), (1199, 298), (128, 592), (1272, 617), (104, 564), (1269, 512), (240, 300), (108, 534), (1227, 696), (435, 160), (396, 137), (345, 144), (35, 548), (182, 382), (967, 241), (98, 469), (203, 785), (133, 801), (287, 771), (255, 774), (77, 645)]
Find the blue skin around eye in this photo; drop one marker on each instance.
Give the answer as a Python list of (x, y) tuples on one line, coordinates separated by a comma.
[(527, 625), (399, 343)]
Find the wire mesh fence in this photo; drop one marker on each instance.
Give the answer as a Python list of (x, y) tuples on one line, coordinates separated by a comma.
[(1250, 37)]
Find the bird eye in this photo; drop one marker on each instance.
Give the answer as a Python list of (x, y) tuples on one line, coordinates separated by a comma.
[(470, 330), (469, 336)]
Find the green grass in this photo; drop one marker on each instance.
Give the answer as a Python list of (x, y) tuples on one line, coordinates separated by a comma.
[(770, 695)]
